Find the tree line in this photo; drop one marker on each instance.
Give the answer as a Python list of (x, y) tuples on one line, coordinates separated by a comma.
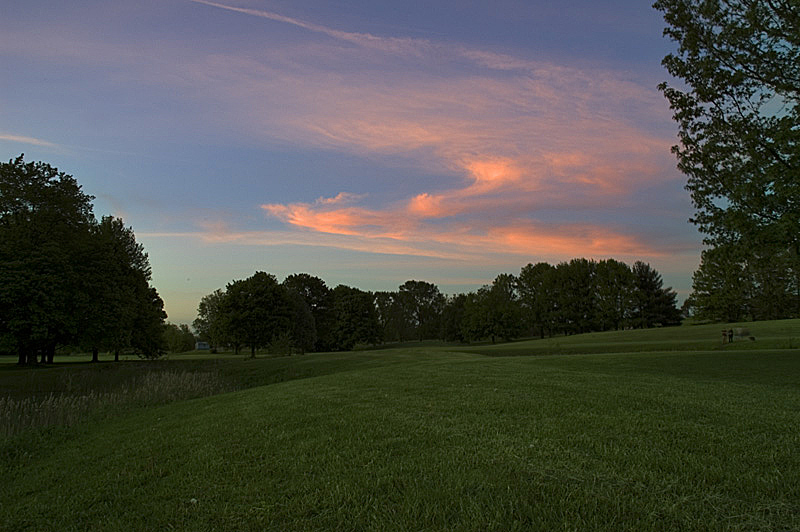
[(302, 313), (66, 278)]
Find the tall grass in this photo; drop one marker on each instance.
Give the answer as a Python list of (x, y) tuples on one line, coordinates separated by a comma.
[(65, 408)]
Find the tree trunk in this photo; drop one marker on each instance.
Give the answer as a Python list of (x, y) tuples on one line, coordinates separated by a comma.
[(252, 351), (95, 358), (43, 354), (116, 355), (21, 358), (51, 353)]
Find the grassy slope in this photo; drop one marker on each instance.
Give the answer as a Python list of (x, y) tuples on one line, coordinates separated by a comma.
[(436, 440), (779, 334)]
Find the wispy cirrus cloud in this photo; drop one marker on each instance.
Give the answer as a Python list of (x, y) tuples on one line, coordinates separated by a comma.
[(384, 44), (27, 140)]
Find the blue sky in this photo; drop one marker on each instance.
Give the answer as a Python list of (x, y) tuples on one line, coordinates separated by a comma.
[(364, 142)]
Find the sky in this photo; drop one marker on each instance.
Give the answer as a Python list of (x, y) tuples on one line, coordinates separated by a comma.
[(364, 142)]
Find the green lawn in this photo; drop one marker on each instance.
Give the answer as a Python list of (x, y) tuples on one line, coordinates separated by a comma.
[(435, 438)]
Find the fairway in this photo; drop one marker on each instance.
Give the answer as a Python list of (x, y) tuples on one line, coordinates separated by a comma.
[(434, 439)]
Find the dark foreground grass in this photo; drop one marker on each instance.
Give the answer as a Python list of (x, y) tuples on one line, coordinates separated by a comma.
[(430, 440)]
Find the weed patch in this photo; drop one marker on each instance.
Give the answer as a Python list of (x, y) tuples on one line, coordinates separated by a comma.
[(153, 388)]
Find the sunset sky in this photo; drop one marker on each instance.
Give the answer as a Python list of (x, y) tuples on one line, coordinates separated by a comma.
[(365, 142)]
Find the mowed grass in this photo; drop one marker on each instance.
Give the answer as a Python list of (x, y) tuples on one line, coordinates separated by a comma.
[(777, 334), (431, 439)]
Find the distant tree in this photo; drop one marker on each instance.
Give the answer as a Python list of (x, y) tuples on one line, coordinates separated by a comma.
[(614, 290), (559, 287), (317, 297), (493, 311), (572, 289), (355, 318), (534, 286), (178, 338), (302, 333), (732, 285), (393, 317), (258, 309), (504, 315), (453, 315), (775, 277), (652, 303), (423, 305), (719, 286), (212, 322), (312, 289), (474, 325)]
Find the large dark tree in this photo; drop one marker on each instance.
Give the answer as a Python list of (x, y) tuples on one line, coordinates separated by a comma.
[(739, 115), (147, 333), (113, 269), (738, 112), (64, 277), (45, 220)]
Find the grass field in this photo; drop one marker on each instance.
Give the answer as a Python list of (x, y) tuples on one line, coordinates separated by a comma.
[(638, 430)]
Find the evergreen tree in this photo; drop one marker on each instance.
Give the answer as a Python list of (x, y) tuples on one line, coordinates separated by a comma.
[(652, 303)]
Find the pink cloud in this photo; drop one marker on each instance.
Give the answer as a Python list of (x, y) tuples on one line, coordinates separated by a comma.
[(502, 140)]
